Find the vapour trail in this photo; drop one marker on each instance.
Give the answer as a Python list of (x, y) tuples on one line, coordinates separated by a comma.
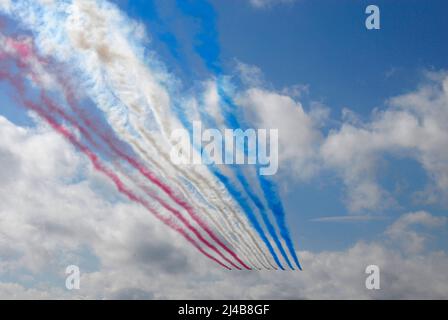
[(200, 183), (153, 179), (248, 211), (206, 44), (25, 52), (232, 121), (133, 162), (267, 186), (136, 108), (117, 77), (103, 169), (167, 190), (240, 199), (207, 34)]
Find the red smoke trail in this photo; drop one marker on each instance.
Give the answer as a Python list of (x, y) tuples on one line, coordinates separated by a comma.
[(150, 176), (26, 52), (54, 108), (96, 162), (181, 203), (115, 179)]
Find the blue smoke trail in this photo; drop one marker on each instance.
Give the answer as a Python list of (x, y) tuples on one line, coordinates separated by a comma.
[(276, 206), (208, 49), (268, 187), (234, 192), (264, 215), (249, 213)]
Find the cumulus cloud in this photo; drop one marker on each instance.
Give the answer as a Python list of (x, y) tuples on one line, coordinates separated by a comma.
[(299, 136), (53, 214), (327, 275), (412, 241), (55, 210), (413, 125)]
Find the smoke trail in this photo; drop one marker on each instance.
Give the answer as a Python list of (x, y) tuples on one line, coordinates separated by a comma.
[(118, 183), (117, 77), (206, 44), (165, 188), (159, 115), (209, 188), (133, 105), (238, 197), (264, 215), (270, 192), (246, 208), (241, 200), (55, 109), (269, 189), (207, 48), (164, 130), (150, 176), (101, 168), (178, 215)]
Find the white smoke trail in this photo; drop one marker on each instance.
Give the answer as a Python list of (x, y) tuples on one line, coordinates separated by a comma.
[(118, 69), (30, 66)]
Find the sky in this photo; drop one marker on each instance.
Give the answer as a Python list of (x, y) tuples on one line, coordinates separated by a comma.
[(363, 133)]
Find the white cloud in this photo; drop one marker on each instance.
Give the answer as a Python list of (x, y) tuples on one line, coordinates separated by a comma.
[(415, 125), (250, 75), (412, 126), (327, 275), (49, 220), (299, 136), (52, 216), (53, 207), (11, 291), (412, 241)]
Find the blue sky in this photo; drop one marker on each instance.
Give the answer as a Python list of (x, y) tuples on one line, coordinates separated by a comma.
[(310, 43), (322, 45), (325, 46), (363, 163)]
